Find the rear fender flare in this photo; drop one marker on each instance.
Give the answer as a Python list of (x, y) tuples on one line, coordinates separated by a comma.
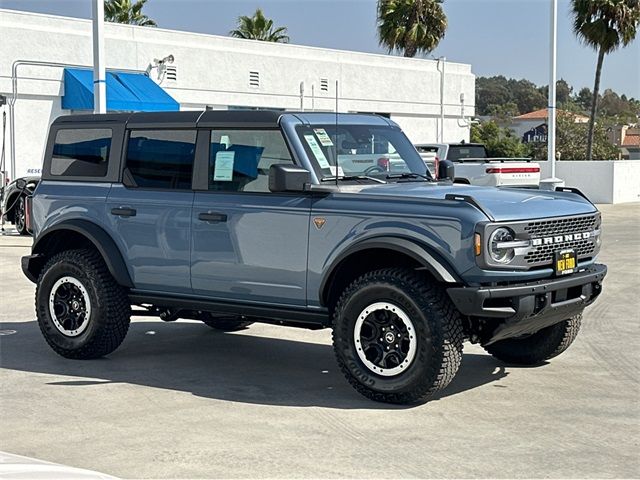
[(100, 239)]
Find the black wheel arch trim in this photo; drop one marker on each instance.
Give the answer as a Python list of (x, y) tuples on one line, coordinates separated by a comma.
[(96, 235), (430, 261)]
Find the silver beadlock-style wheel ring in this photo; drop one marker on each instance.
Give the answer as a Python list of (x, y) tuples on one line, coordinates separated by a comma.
[(385, 339), (69, 306)]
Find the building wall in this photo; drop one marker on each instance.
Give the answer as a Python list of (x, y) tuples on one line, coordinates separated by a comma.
[(214, 71), (605, 181)]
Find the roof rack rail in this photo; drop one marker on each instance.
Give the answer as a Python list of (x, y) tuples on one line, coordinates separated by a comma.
[(471, 201)]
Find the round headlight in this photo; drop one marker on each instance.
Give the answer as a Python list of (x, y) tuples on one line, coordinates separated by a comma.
[(501, 255)]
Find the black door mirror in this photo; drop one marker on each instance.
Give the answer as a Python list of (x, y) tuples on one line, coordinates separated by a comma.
[(446, 170), (284, 177), (21, 184)]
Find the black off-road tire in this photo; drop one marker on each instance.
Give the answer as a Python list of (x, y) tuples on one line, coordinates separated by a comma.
[(109, 319), (535, 349), (225, 324), (19, 216), (438, 330)]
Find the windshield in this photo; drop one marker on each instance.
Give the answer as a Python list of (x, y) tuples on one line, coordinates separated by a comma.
[(361, 150)]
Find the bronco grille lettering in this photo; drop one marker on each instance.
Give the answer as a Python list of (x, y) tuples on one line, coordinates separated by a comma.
[(570, 237)]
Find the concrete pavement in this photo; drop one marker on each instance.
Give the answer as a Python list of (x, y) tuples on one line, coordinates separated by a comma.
[(181, 400)]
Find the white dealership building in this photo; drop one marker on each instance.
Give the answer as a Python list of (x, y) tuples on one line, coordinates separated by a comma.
[(44, 63)]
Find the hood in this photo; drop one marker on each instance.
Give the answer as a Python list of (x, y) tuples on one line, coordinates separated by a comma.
[(504, 204)]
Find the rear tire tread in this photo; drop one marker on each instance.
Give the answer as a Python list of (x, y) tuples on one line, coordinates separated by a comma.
[(115, 323)]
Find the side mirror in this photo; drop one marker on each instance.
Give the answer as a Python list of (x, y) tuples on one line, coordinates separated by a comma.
[(446, 170), (284, 177), (21, 184)]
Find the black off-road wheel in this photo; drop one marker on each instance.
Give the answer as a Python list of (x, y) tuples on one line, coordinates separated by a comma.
[(536, 348), (397, 337), (82, 312), (20, 217), (225, 324)]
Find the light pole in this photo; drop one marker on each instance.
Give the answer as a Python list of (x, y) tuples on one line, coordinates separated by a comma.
[(552, 182), (99, 81), (441, 129)]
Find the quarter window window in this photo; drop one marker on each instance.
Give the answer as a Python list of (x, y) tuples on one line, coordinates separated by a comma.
[(161, 158), (82, 152), (239, 160)]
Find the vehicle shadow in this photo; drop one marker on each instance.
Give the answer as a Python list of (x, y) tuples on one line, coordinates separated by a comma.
[(193, 358)]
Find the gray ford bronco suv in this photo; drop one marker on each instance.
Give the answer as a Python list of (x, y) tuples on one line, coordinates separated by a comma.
[(311, 220)]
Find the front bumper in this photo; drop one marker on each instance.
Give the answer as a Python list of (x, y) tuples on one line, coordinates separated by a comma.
[(526, 308)]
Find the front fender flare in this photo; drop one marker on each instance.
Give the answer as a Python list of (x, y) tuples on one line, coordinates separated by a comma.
[(430, 261)]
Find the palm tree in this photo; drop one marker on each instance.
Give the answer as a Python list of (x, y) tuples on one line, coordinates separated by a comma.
[(411, 26), (123, 11), (604, 25), (259, 27)]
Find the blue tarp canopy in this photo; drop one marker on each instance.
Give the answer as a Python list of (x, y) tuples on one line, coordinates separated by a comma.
[(125, 92)]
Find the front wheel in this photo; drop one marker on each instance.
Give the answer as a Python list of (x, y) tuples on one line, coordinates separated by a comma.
[(536, 348), (397, 337)]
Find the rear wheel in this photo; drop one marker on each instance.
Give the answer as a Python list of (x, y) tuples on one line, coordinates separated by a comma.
[(397, 338), (20, 217), (82, 312), (538, 347), (226, 323)]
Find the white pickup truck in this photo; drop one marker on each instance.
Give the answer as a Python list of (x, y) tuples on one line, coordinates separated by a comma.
[(473, 165)]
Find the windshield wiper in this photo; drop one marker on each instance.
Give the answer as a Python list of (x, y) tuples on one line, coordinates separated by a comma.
[(352, 177), (408, 175)]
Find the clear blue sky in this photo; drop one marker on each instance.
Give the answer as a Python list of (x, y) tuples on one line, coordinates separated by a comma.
[(497, 37)]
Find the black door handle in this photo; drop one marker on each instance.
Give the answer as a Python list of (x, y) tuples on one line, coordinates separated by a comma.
[(212, 217), (124, 212)]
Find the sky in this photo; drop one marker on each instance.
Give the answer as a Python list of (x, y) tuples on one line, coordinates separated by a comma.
[(497, 37)]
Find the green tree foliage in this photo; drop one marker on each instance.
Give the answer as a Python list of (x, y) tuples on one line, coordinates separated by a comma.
[(496, 97), (499, 141), (259, 27), (563, 92), (605, 26), (124, 11), (584, 99), (496, 91), (411, 26), (503, 113), (571, 142)]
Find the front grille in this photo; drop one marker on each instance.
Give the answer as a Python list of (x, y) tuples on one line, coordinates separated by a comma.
[(543, 254), (545, 228)]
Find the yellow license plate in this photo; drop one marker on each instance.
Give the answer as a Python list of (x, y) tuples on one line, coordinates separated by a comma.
[(566, 262)]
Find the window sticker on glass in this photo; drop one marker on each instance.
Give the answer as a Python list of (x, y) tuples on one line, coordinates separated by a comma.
[(317, 151), (325, 140), (224, 167), (339, 170)]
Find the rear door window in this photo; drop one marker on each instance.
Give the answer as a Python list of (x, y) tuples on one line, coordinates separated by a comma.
[(82, 152), (161, 158)]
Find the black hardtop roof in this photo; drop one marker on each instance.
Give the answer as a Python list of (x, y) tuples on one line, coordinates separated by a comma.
[(182, 119), (192, 119)]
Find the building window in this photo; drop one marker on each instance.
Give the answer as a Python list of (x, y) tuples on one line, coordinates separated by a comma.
[(324, 85), (82, 152), (161, 158)]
